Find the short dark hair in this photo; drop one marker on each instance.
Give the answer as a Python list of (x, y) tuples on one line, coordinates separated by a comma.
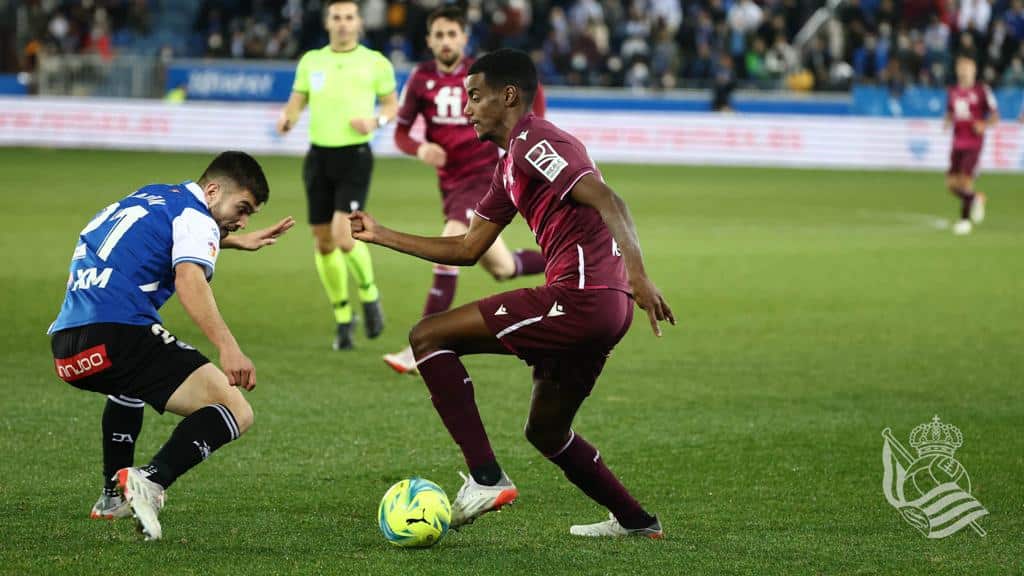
[(508, 67), (453, 13), (241, 169), (328, 3)]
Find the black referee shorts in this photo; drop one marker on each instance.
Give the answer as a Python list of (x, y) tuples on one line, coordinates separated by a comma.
[(144, 362), (337, 179)]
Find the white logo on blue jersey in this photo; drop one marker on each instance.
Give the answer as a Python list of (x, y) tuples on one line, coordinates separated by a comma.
[(122, 269)]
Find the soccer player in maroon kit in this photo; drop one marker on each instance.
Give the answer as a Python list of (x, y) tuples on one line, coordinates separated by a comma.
[(971, 109), (564, 329), (464, 163)]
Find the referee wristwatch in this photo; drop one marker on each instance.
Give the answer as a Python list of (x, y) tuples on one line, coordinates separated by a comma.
[(382, 121)]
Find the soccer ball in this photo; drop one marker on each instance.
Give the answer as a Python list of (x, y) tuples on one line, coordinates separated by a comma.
[(414, 513)]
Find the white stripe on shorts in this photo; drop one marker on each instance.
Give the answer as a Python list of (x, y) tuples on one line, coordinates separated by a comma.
[(127, 401)]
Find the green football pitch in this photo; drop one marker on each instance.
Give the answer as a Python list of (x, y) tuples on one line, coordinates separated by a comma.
[(816, 308)]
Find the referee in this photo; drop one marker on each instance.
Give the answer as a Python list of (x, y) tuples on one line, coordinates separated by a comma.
[(341, 82)]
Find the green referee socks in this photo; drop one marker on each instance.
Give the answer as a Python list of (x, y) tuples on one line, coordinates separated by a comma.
[(334, 276), (362, 268)]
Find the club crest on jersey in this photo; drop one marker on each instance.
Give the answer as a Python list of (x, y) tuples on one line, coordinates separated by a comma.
[(430, 84), (546, 160), (213, 249), (317, 80)]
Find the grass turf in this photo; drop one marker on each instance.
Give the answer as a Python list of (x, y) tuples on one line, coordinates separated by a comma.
[(816, 308)]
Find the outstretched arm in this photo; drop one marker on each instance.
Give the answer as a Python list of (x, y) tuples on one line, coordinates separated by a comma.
[(591, 191), (259, 238), (463, 250), (196, 298)]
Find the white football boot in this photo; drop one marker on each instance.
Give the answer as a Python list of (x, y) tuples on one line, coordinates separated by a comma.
[(402, 362), (612, 529), (110, 507), (978, 208), (962, 227), (475, 499), (146, 499)]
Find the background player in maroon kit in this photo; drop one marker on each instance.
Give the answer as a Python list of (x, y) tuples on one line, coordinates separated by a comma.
[(564, 329), (464, 163), (971, 109)]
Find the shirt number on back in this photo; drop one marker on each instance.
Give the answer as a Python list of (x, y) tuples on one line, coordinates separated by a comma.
[(124, 219), (449, 102)]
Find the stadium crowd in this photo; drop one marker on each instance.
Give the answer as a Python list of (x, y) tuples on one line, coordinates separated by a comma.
[(642, 44)]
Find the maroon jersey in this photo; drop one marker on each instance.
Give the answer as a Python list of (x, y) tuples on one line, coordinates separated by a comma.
[(535, 177), (967, 106), (441, 97)]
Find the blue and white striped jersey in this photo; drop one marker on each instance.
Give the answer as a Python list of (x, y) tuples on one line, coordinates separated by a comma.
[(122, 270)]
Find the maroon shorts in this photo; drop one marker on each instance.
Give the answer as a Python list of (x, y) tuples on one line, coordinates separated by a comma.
[(964, 161), (460, 197), (566, 334)]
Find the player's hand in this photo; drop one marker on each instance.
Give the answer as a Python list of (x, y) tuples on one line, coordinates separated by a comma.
[(979, 127), (238, 368), (363, 125), (649, 298), (283, 123), (432, 154), (260, 238), (364, 227)]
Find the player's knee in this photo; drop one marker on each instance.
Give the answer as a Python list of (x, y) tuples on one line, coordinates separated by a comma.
[(346, 243), (325, 245), (546, 439), (500, 270), (423, 339), (242, 411)]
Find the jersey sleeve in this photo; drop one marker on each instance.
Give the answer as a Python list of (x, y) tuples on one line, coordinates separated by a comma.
[(496, 206), (409, 101), (991, 104), (384, 80), (301, 83), (196, 239), (557, 162)]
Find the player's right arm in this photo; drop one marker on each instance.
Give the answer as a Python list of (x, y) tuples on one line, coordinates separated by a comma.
[(292, 110), (409, 107), (196, 298), (297, 101), (463, 250)]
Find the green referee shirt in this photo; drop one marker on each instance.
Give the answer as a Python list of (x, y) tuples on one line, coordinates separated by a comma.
[(341, 86)]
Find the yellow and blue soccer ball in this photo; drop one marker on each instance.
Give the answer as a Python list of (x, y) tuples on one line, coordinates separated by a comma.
[(414, 513)]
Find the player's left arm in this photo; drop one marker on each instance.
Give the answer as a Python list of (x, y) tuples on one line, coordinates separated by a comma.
[(591, 191), (259, 238)]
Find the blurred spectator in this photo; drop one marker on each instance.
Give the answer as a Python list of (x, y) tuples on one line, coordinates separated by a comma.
[(642, 44), (725, 83)]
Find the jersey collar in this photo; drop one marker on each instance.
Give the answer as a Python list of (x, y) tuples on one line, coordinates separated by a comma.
[(196, 191)]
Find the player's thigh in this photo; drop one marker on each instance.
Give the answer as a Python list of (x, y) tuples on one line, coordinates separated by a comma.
[(137, 361), (208, 385), (461, 330), (353, 178), (498, 260), (319, 188)]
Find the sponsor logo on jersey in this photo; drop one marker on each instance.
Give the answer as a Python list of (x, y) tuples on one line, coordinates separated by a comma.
[(86, 363), (501, 311), (546, 160), (88, 277)]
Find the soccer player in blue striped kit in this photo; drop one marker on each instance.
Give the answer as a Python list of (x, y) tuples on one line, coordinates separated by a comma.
[(108, 338)]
